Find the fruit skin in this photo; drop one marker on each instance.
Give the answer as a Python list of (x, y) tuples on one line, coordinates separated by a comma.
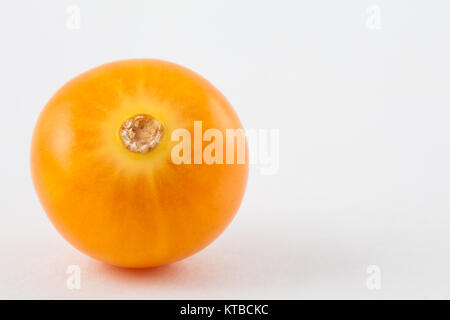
[(124, 208)]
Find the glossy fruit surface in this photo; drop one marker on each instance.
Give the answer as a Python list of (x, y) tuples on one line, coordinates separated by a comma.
[(124, 207)]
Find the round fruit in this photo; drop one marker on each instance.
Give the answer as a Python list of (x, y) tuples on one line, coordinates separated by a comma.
[(114, 170)]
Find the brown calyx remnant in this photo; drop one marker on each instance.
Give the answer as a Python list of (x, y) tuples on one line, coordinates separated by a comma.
[(141, 133)]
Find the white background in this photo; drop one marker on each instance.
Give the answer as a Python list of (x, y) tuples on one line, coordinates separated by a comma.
[(362, 110)]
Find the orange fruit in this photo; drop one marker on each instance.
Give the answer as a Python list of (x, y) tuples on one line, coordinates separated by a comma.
[(102, 162)]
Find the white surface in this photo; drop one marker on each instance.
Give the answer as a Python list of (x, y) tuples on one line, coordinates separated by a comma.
[(364, 144)]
